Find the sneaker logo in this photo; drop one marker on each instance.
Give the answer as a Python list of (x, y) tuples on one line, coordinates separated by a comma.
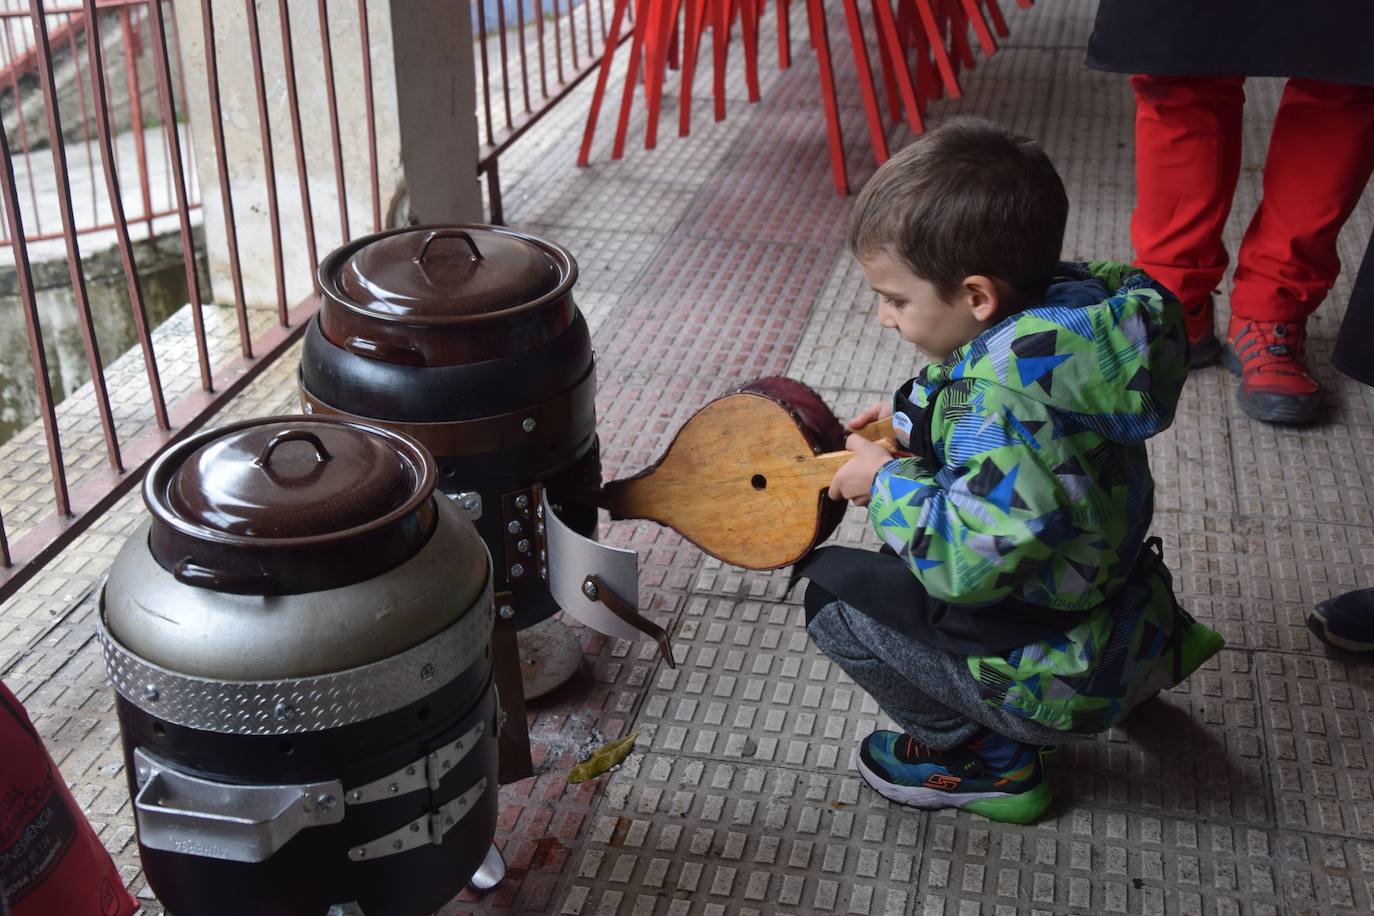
[(943, 781)]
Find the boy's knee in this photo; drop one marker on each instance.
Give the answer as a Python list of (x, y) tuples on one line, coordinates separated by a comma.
[(814, 600)]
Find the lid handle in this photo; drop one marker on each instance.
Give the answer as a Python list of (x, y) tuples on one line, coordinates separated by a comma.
[(447, 234), (292, 435)]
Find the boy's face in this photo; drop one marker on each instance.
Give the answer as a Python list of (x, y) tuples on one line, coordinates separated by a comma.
[(914, 308)]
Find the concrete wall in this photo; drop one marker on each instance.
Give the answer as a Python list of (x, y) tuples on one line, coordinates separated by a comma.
[(424, 103)]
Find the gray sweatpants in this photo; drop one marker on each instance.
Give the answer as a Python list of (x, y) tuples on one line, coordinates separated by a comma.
[(929, 693)]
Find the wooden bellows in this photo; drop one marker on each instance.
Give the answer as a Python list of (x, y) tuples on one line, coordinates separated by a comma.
[(745, 477)]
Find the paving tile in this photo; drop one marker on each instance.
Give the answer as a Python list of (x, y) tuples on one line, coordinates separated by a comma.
[(1195, 751), (1320, 732), (681, 834), (1094, 861), (1327, 874)]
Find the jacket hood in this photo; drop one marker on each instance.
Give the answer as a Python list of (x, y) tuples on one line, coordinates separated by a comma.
[(1105, 351)]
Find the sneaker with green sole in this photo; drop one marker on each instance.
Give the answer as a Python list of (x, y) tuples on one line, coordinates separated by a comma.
[(902, 770)]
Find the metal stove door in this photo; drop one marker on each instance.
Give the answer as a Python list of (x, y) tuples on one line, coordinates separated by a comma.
[(596, 584)]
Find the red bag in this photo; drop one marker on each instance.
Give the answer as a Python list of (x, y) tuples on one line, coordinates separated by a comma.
[(51, 861)]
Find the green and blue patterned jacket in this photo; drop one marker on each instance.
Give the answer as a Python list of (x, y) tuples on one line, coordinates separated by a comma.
[(1037, 488)]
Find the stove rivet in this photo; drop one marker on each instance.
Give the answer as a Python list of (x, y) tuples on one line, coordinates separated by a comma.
[(396, 845), (448, 820), (507, 612), (356, 796), (325, 802), (589, 589), (521, 502), (362, 852), (150, 693), (471, 504), (527, 424), (392, 788), (414, 828), (517, 570), (410, 771), (282, 711), (514, 527), (427, 671), (523, 545)]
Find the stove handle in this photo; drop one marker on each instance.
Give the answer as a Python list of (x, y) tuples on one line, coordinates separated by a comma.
[(177, 812), (193, 574)]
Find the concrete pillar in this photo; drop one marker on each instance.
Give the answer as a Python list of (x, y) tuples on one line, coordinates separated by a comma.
[(424, 103)]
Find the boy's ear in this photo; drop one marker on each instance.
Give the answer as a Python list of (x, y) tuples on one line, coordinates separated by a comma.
[(984, 296)]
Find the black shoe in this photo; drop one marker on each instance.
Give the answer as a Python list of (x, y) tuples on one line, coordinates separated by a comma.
[(1346, 621)]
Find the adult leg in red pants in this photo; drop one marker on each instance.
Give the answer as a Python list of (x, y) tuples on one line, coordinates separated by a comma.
[(1188, 133), (1321, 154)]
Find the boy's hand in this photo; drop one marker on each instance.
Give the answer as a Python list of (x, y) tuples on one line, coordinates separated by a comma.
[(854, 480), (871, 414)]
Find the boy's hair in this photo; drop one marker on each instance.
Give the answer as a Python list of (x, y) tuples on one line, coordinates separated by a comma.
[(967, 198)]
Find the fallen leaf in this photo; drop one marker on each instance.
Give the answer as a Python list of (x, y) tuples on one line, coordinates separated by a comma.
[(603, 758)]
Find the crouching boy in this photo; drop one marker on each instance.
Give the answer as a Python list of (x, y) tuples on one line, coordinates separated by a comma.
[(1017, 599)]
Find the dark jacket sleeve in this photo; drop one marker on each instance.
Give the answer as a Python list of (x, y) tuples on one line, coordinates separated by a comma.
[(1355, 344)]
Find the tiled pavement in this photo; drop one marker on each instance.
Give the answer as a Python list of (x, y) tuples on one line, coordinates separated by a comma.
[(715, 259)]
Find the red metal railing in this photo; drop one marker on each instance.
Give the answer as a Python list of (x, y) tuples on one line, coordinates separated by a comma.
[(565, 38), (563, 42), (148, 28), (21, 61)]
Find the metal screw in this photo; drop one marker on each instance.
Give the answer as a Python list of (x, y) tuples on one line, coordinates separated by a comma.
[(539, 511), (539, 529), (427, 671), (410, 771), (521, 501), (282, 711), (356, 796), (392, 788), (517, 570), (527, 424), (396, 845), (589, 589), (471, 504), (515, 527), (325, 801), (362, 852), (150, 693), (507, 612), (414, 828), (523, 545), (543, 572)]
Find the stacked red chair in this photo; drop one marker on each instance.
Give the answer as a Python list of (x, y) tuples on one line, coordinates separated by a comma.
[(922, 46)]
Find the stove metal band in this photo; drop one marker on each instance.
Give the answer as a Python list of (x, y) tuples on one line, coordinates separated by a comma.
[(299, 705), (425, 773), (426, 829)]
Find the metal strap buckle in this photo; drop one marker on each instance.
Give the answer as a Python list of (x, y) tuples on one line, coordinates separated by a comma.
[(427, 828), (424, 773)]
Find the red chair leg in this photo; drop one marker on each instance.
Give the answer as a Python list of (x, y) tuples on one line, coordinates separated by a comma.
[(866, 90), (662, 18), (631, 78), (958, 34), (749, 19), (720, 43), (937, 49), (693, 26), (784, 36), (612, 40), (894, 111), (980, 27), (887, 35), (999, 23), (820, 40)]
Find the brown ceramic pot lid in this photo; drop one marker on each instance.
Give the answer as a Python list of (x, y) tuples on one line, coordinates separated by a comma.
[(275, 504), (449, 274), (293, 480)]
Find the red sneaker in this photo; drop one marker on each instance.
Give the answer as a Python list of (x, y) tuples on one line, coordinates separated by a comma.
[(1275, 386), (1204, 348)]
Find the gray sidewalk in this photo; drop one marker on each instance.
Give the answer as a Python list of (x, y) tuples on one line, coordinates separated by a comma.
[(1248, 790)]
